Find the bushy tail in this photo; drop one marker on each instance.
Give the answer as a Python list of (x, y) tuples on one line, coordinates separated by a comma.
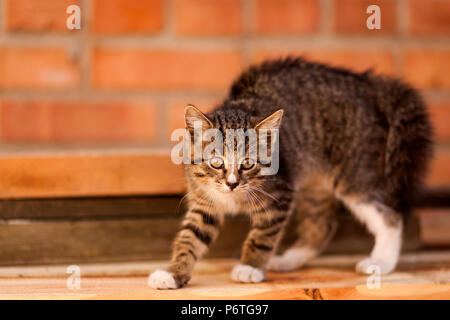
[(409, 147)]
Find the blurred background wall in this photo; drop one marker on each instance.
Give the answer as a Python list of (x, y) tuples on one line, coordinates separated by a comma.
[(125, 77), (73, 102)]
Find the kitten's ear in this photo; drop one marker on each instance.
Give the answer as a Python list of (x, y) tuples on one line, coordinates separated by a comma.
[(271, 122), (192, 115)]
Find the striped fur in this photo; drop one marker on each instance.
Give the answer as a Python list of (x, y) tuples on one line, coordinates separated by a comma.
[(346, 139)]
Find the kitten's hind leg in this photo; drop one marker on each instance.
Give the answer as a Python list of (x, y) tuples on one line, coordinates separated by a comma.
[(386, 226), (318, 223)]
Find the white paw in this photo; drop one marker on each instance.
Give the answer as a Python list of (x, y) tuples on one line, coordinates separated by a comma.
[(246, 273), (161, 279), (373, 266), (278, 263)]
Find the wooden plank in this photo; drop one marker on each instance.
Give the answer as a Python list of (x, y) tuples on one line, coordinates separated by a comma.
[(88, 174), (96, 241), (118, 172), (219, 287), (421, 260), (433, 197), (439, 171), (131, 206), (211, 280), (92, 208), (435, 226), (25, 242)]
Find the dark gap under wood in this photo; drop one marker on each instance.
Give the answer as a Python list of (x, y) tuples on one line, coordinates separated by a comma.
[(71, 230), (135, 207), (47, 242)]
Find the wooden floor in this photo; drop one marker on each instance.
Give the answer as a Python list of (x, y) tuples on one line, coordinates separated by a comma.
[(420, 276)]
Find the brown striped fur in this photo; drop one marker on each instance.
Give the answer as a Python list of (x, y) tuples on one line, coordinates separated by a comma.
[(346, 139)]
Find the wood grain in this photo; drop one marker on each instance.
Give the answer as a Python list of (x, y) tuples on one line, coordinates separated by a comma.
[(103, 172), (93, 208), (333, 279), (28, 243), (435, 226), (24, 242), (88, 174)]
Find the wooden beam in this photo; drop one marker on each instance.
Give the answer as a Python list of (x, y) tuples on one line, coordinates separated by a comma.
[(118, 172), (439, 171), (24, 242), (93, 208), (418, 276), (130, 207), (88, 174), (435, 226), (419, 261)]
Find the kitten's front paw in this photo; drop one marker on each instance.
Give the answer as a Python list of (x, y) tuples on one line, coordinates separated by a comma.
[(161, 279), (371, 266), (246, 273)]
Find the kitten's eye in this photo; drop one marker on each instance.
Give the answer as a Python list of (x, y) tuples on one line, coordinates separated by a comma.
[(247, 164), (216, 163)]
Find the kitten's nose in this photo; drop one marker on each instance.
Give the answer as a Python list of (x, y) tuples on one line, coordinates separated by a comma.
[(232, 185)]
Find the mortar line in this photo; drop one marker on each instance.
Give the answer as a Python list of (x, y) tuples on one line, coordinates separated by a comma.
[(166, 33), (153, 96), (214, 44), (86, 48), (326, 26), (248, 21), (402, 16), (2, 16), (114, 94), (168, 30)]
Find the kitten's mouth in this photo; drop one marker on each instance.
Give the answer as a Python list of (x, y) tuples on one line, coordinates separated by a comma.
[(226, 188)]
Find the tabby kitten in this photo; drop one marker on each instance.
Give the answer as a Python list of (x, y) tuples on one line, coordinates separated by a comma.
[(345, 139)]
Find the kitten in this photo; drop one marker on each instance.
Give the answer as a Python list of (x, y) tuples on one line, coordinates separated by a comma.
[(352, 139)]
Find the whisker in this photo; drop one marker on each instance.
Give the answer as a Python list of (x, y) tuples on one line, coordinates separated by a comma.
[(260, 201), (186, 195), (260, 189)]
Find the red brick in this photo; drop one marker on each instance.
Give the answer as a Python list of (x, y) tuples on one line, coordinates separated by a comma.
[(68, 122), (440, 118), (286, 16), (429, 17), (428, 68), (176, 110), (38, 68), (350, 16), (206, 17), (37, 16), (381, 61), (125, 16), (439, 173), (164, 69)]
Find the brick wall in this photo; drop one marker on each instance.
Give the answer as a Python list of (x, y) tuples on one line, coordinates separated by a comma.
[(125, 77)]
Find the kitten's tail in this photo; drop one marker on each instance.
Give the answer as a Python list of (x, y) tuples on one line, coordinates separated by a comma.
[(408, 147)]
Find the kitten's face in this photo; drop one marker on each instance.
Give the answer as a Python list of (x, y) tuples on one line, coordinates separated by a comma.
[(227, 176), (233, 171)]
